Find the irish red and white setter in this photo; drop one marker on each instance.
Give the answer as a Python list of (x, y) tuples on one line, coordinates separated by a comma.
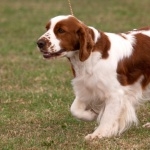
[(111, 71)]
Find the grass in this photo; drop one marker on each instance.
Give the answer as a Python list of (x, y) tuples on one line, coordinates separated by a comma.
[(35, 94)]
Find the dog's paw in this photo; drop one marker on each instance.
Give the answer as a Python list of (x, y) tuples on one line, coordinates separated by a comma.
[(147, 125), (93, 136)]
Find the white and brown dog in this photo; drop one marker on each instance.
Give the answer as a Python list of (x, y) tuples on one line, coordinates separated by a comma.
[(111, 71)]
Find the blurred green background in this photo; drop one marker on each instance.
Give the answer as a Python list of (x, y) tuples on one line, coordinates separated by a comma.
[(35, 94)]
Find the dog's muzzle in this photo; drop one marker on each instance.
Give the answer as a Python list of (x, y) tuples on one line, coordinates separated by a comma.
[(41, 43)]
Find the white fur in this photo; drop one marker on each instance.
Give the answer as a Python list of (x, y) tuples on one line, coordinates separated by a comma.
[(98, 94)]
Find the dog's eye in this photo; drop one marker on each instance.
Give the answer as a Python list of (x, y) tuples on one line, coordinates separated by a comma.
[(60, 30)]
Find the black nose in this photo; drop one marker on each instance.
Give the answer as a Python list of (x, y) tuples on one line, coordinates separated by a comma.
[(41, 43)]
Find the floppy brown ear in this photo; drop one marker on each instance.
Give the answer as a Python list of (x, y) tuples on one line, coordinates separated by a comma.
[(86, 43)]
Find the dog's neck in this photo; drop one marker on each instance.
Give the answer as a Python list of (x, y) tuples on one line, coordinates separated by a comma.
[(84, 68)]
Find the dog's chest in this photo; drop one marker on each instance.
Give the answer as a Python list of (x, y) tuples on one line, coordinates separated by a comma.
[(88, 75), (85, 68), (94, 76)]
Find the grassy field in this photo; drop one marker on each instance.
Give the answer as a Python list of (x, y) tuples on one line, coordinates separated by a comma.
[(35, 94)]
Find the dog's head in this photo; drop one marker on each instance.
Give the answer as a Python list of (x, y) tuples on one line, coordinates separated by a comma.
[(65, 35)]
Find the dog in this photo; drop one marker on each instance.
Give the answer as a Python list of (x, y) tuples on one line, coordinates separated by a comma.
[(111, 71)]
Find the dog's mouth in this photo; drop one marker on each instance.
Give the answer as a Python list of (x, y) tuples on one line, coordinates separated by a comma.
[(49, 55)]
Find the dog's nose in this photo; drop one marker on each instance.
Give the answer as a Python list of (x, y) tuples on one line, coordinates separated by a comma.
[(41, 43)]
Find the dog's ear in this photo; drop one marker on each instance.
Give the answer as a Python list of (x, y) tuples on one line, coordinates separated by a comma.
[(86, 43)]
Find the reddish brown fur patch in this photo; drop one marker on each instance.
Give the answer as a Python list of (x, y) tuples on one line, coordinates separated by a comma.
[(103, 45), (86, 43), (138, 64), (48, 26), (69, 39), (91, 33), (144, 28)]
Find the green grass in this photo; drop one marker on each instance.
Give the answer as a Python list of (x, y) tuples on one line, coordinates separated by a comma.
[(35, 94)]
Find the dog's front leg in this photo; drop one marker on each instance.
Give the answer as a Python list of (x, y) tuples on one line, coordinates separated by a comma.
[(80, 111), (109, 120)]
